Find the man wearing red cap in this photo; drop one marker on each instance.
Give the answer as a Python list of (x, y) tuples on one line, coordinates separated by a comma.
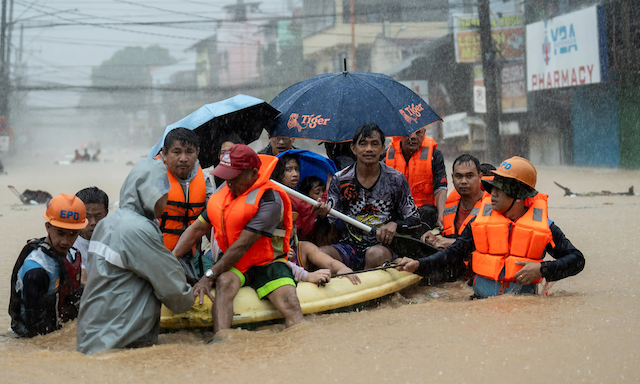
[(252, 222), (45, 283)]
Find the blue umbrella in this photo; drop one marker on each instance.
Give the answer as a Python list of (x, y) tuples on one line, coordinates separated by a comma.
[(243, 115), (331, 106), (312, 164)]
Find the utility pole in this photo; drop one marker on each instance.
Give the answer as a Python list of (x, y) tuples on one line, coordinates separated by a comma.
[(490, 72), (9, 38), (353, 35), (4, 79)]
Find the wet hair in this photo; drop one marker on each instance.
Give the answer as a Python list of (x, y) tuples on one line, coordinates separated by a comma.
[(366, 131), (185, 136), (94, 195), (310, 182), (278, 172), (486, 168), (467, 158), (231, 137)]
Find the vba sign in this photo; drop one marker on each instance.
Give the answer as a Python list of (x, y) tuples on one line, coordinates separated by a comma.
[(567, 51)]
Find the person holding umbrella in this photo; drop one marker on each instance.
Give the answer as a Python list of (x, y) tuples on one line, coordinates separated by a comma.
[(416, 156), (277, 144), (374, 193)]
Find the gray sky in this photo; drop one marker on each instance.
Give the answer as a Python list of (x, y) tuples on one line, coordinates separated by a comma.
[(65, 54)]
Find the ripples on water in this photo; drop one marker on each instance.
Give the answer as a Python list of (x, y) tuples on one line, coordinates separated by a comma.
[(586, 330)]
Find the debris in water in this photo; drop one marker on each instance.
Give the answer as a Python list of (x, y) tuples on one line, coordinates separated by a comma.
[(568, 192), (439, 294)]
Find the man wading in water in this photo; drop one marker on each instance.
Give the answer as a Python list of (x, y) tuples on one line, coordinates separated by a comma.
[(508, 238), (245, 214)]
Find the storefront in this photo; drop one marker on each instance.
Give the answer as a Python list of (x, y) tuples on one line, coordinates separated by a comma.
[(574, 106)]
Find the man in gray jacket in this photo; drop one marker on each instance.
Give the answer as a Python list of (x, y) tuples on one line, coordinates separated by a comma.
[(130, 272)]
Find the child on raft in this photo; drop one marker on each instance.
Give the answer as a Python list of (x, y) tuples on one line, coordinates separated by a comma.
[(305, 256)]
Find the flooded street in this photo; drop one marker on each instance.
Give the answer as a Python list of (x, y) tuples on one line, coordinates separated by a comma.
[(586, 330)]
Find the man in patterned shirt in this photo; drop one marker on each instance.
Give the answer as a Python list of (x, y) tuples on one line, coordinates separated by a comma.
[(373, 193)]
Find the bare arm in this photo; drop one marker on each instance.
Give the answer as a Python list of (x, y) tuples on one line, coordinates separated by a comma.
[(190, 237), (323, 261), (236, 251), (441, 200)]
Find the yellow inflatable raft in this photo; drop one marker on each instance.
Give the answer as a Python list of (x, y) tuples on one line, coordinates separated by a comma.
[(339, 293)]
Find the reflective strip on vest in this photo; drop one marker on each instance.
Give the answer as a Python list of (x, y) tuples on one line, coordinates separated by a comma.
[(229, 216), (179, 214), (449, 215), (418, 171)]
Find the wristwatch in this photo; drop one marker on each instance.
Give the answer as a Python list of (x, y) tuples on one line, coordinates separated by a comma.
[(209, 274)]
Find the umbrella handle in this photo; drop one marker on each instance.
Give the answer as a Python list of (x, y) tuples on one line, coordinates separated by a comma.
[(333, 212)]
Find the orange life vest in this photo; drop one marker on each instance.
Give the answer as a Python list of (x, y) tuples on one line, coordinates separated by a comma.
[(450, 211), (501, 242), (180, 214), (419, 171), (230, 215)]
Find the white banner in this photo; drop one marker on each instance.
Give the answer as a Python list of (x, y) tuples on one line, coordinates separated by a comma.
[(455, 125), (566, 51)]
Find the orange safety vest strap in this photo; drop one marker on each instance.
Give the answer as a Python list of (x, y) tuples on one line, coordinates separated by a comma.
[(179, 214), (449, 216), (450, 211), (419, 170)]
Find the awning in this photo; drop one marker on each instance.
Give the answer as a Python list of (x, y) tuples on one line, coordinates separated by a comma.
[(404, 64)]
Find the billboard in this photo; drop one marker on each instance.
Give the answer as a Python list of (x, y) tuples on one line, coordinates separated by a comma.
[(514, 93), (506, 29), (513, 87), (567, 51)]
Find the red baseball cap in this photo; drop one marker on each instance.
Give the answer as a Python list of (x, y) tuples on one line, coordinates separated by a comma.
[(235, 160)]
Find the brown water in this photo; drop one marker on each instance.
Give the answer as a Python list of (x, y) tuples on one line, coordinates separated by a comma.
[(586, 330)]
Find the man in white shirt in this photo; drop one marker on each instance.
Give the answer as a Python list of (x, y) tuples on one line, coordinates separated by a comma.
[(97, 203)]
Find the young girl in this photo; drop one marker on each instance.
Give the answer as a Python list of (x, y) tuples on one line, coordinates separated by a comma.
[(304, 254)]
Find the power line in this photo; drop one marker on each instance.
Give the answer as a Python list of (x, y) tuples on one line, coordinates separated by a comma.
[(106, 26), (165, 10)]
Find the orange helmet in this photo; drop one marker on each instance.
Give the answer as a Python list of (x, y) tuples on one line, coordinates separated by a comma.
[(520, 169), (66, 211), (516, 177)]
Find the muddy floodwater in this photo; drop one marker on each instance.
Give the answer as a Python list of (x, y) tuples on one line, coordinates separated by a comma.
[(586, 330)]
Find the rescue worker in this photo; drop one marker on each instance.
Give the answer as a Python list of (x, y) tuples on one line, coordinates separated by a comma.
[(463, 202), (130, 272), (245, 214), (45, 283), (462, 205), (416, 156), (188, 190), (508, 239)]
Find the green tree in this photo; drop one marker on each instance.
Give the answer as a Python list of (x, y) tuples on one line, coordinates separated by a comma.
[(127, 67)]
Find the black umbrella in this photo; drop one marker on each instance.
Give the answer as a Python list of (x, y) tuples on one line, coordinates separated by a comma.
[(243, 115)]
